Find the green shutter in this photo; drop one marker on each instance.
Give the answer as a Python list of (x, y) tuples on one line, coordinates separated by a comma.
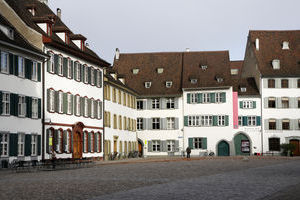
[(89, 107), (212, 97), (223, 96), (204, 143), (16, 61), (95, 142), (215, 120), (95, 76), (254, 104), (65, 141), (258, 120), (100, 76), (28, 101), (28, 68), (55, 63), (49, 62), (188, 97), (241, 104), (81, 106), (89, 142), (245, 120), (13, 144), (39, 108), (72, 104), (39, 71), (55, 140), (56, 101), (75, 71), (226, 120), (186, 120), (14, 98), (65, 67), (200, 95), (81, 72), (191, 143), (1, 109), (39, 146), (11, 64), (48, 99), (27, 145), (89, 75), (72, 69), (65, 103), (0, 133), (47, 141)]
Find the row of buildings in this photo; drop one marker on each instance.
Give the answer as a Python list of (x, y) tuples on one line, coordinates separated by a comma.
[(57, 95)]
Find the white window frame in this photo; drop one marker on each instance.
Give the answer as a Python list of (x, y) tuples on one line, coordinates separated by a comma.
[(21, 106), (92, 76), (139, 124), (171, 146), (155, 123), (34, 74), (251, 120), (4, 144), (51, 70), (21, 66), (4, 62), (170, 123), (218, 98), (60, 65), (148, 84), (85, 113), (34, 139), (52, 100), (69, 68), (171, 103), (240, 120), (35, 108), (221, 120), (5, 103), (21, 144), (86, 73), (60, 102), (197, 143), (247, 104), (206, 120), (69, 99), (194, 98), (156, 146), (206, 98), (77, 105), (155, 103), (139, 104), (169, 84)]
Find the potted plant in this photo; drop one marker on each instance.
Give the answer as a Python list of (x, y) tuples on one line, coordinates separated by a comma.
[(287, 149)]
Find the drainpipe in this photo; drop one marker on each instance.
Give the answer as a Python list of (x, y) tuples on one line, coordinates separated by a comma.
[(103, 109), (43, 105), (261, 113)]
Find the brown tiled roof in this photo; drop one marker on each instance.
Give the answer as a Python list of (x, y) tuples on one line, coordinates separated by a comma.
[(43, 12), (218, 66), (270, 47), (120, 84), (147, 63), (236, 64)]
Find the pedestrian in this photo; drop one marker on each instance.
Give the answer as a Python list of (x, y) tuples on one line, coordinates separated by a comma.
[(188, 152)]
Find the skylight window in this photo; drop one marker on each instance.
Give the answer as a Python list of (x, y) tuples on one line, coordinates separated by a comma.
[(147, 84), (7, 31)]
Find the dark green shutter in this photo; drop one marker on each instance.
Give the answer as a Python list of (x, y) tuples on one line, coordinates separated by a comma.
[(65, 103), (188, 97), (16, 61), (13, 144), (89, 107), (56, 104), (89, 75), (55, 141), (89, 141), (226, 120), (200, 100), (47, 141), (65, 141), (81, 106), (28, 68), (191, 143), (75, 71), (72, 104), (95, 142), (212, 97), (55, 63), (254, 104), (0, 133), (186, 120), (39, 71), (48, 99), (215, 120), (72, 69), (49, 62), (81, 72), (11, 64), (95, 77), (39, 108), (245, 120), (241, 104), (39, 146), (65, 67), (100, 77), (223, 96), (258, 120), (204, 143), (28, 101), (27, 145), (1, 109), (14, 99)]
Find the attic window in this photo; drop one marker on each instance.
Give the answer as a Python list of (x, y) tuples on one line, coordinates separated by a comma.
[(147, 84), (160, 70), (135, 71), (169, 84), (7, 31), (204, 67), (193, 81), (276, 64), (32, 11), (285, 45), (243, 89), (234, 71), (219, 79)]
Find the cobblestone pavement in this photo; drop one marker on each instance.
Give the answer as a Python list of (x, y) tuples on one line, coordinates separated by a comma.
[(161, 179)]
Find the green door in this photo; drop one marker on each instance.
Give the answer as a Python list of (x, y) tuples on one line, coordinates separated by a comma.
[(242, 145), (223, 149)]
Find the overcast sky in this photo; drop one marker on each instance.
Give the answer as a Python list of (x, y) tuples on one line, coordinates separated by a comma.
[(174, 25)]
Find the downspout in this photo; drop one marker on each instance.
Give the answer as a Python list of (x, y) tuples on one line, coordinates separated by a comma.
[(262, 124), (103, 109), (183, 137), (43, 104)]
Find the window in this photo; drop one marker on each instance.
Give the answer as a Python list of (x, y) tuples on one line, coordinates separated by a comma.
[(206, 98), (51, 100), (21, 139), (125, 123), (247, 104), (4, 62), (5, 103), (70, 99), (169, 84), (35, 110), (67, 142), (21, 64), (218, 97), (59, 141), (285, 102), (98, 142), (204, 67), (92, 76), (51, 69), (139, 124), (4, 144), (86, 73), (240, 119), (234, 71), (271, 83), (193, 81), (140, 105), (69, 68), (285, 45), (120, 122), (21, 106), (299, 123), (77, 70), (298, 83), (160, 70), (155, 123), (60, 102), (115, 121), (77, 105), (124, 99), (60, 65), (86, 107), (251, 120), (155, 103), (194, 121), (170, 103), (170, 123), (34, 73), (197, 142), (286, 124), (243, 89), (171, 145), (99, 110), (271, 102), (274, 144), (272, 124), (284, 83), (221, 120), (135, 71), (92, 141), (85, 141), (119, 97), (276, 64), (147, 84), (155, 145), (92, 109), (33, 145), (194, 98), (206, 120)]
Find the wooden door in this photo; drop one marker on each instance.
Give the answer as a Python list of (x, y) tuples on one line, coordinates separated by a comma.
[(140, 148), (223, 149), (296, 152), (77, 145)]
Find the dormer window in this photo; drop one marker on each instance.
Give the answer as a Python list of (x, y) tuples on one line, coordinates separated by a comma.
[(147, 84), (193, 81), (219, 79), (135, 70), (7, 31), (276, 64), (204, 67), (32, 11), (234, 71), (285, 45), (243, 89), (169, 84), (160, 70)]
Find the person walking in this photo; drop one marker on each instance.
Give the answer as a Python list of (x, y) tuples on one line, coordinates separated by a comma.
[(188, 152)]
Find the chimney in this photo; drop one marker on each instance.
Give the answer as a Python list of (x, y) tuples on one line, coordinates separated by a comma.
[(117, 54), (257, 44), (58, 13), (187, 49)]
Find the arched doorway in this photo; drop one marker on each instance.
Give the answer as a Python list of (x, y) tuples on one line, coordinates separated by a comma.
[(141, 148), (223, 148), (242, 145), (78, 140), (296, 152)]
